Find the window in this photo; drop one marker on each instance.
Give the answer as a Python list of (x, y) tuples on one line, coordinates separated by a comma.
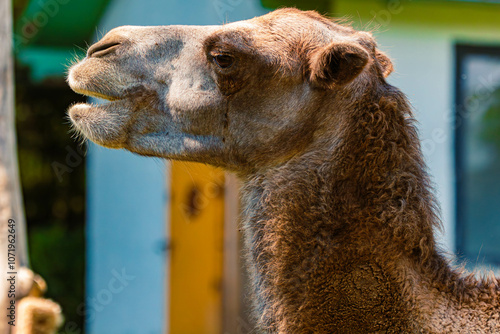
[(477, 154)]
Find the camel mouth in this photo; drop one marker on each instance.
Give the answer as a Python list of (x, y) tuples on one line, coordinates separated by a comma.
[(103, 123), (92, 114), (101, 87), (118, 93), (97, 94)]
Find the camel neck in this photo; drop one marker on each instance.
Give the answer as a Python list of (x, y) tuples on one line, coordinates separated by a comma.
[(351, 228), (307, 247)]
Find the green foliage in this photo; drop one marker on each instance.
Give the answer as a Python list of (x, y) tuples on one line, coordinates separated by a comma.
[(18, 6), (54, 202), (56, 254)]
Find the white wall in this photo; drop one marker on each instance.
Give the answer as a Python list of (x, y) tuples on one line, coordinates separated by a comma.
[(127, 195), (424, 61)]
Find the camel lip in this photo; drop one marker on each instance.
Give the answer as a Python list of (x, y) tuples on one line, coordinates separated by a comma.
[(97, 94), (126, 92)]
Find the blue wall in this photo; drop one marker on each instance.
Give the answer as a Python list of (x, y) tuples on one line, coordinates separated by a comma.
[(126, 240)]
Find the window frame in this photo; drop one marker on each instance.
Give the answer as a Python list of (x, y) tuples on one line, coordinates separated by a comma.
[(462, 51)]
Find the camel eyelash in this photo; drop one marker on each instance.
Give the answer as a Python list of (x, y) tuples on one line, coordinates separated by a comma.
[(224, 61)]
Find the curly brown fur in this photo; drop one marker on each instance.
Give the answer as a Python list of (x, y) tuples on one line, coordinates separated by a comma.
[(341, 240)]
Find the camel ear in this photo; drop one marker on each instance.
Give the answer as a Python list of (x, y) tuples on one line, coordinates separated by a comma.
[(336, 64), (384, 62)]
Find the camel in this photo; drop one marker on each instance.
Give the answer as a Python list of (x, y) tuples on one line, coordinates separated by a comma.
[(338, 211)]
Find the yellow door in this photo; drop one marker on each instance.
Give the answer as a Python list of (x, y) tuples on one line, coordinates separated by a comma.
[(197, 222)]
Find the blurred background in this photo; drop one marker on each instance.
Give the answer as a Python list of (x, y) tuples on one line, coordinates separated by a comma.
[(136, 245)]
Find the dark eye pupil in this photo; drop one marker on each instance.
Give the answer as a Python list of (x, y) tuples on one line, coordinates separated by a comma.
[(224, 61)]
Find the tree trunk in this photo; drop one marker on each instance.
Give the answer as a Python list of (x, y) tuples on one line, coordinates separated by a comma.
[(11, 209)]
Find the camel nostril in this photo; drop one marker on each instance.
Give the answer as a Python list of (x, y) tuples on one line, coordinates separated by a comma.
[(98, 50)]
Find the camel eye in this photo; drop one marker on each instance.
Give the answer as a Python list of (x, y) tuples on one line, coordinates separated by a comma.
[(224, 61)]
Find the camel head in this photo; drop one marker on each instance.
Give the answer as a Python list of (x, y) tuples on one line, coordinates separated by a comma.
[(242, 95)]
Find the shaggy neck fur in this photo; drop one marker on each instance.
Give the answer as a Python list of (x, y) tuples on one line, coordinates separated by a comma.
[(340, 238)]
